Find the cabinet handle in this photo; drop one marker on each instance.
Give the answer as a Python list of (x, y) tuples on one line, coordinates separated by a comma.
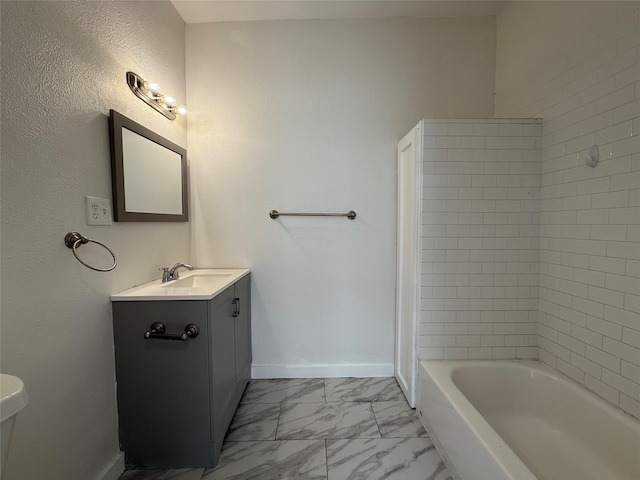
[(157, 329), (236, 302)]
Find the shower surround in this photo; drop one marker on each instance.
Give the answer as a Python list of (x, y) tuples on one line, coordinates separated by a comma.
[(522, 259), (480, 239)]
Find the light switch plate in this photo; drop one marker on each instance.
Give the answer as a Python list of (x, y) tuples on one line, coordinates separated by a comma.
[(98, 211)]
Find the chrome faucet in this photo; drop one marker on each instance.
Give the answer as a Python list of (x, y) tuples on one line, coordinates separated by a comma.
[(173, 272), (169, 274)]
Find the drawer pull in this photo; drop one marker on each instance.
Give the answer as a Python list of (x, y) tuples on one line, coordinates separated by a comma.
[(157, 329), (236, 302)]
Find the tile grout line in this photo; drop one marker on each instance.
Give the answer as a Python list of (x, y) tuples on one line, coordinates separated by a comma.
[(324, 389), (326, 458), (326, 451), (275, 435), (375, 419)]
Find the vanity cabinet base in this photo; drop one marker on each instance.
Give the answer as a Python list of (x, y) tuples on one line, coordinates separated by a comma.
[(176, 398)]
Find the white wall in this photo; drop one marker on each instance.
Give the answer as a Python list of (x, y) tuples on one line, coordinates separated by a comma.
[(577, 65), (480, 252), (305, 116), (63, 68)]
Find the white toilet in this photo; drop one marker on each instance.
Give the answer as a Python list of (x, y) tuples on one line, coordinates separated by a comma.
[(13, 398)]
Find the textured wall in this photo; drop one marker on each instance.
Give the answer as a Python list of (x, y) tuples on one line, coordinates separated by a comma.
[(305, 116), (479, 287), (63, 68), (583, 77)]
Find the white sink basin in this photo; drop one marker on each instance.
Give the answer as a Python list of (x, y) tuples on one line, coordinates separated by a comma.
[(199, 279), (200, 284)]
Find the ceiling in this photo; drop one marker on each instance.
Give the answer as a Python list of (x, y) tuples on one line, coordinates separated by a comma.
[(201, 11)]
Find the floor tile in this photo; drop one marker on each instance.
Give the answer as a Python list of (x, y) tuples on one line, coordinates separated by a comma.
[(287, 429), (362, 389), (385, 458), (271, 460), (163, 474), (290, 390), (254, 422), (326, 420), (397, 419)]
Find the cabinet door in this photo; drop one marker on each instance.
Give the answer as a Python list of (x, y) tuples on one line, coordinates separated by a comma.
[(162, 385), (223, 367), (243, 334)]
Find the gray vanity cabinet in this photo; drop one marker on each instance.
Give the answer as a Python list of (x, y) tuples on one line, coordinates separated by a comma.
[(223, 371), (242, 332), (176, 398)]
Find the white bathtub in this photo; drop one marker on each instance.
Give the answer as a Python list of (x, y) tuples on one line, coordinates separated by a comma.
[(519, 420)]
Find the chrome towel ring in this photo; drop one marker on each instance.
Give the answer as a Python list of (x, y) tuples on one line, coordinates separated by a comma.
[(74, 239)]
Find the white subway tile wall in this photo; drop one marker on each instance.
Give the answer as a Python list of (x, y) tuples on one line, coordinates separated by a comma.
[(480, 234), (589, 321)]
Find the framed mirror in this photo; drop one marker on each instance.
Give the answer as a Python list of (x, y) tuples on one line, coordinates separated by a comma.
[(148, 174)]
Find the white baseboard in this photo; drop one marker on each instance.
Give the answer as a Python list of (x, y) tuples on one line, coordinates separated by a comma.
[(114, 469), (323, 370)]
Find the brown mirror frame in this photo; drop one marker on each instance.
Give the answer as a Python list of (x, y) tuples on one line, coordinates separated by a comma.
[(117, 122)]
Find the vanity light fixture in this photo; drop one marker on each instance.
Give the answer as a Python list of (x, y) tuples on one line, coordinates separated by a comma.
[(150, 93)]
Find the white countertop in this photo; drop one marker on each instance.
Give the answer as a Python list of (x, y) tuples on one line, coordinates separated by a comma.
[(198, 284)]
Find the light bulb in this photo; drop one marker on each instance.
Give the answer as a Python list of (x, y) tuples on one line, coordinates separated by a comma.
[(154, 87), (182, 110), (170, 101)]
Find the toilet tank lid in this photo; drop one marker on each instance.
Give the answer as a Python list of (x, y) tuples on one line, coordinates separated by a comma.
[(13, 396)]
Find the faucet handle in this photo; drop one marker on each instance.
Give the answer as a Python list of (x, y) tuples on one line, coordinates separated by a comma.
[(165, 274)]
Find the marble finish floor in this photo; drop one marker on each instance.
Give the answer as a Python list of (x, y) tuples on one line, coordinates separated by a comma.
[(320, 429)]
